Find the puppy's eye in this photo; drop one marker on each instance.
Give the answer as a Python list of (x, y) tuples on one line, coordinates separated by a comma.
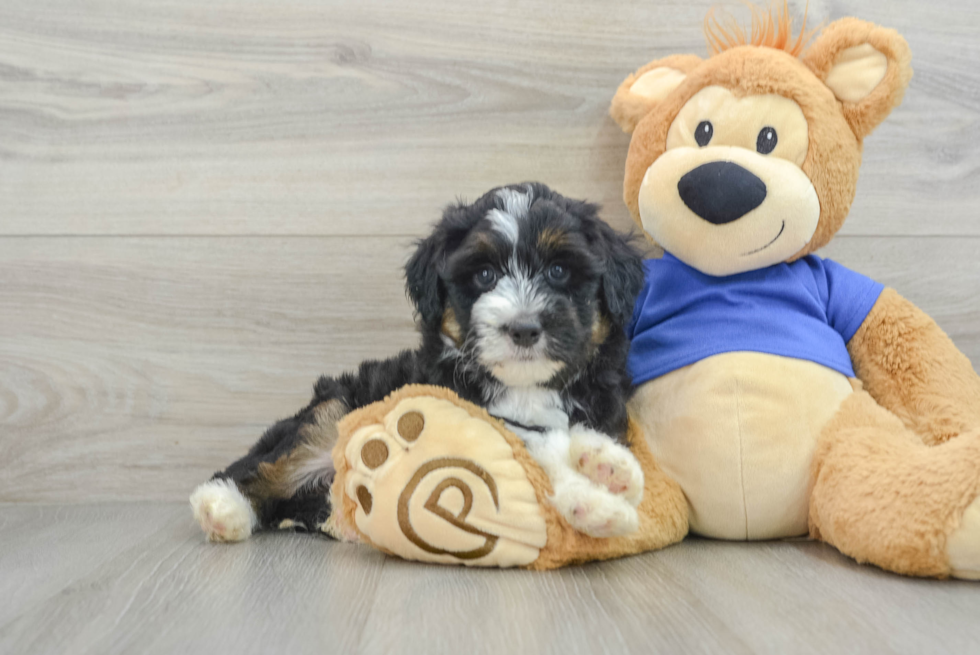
[(767, 141), (485, 278), (704, 133), (558, 273)]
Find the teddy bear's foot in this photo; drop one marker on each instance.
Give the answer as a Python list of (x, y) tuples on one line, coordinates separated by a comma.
[(426, 480), (963, 546), (607, 464), (222, 511), (593, 510)]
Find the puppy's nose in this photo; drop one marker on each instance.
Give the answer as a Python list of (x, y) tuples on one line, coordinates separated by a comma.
[(524, 335), (721, 191)]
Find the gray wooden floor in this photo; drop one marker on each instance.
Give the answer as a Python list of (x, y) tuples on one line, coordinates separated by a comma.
[(204, 205), (138, 578)]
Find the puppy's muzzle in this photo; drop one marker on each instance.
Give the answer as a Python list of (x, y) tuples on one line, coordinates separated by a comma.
[(721, 191)]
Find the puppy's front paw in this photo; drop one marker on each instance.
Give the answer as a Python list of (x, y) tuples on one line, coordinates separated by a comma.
[(595, 511), (222, 511), (607, 463)]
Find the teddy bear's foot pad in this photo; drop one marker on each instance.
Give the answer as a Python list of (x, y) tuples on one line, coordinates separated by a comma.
[(433, 483), (963, 546)]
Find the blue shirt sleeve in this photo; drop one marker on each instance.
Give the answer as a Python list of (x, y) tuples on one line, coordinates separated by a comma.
[(850, 297)]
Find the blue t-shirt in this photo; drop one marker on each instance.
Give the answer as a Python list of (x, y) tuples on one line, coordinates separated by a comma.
[(808, 309)]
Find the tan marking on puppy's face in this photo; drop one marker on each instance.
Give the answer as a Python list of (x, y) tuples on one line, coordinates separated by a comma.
[(482, 241), (719, 144), (600, 330), (552, 239), (451, 327)]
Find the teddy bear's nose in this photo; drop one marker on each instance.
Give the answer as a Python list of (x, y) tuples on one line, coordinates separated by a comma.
[(721, 191)]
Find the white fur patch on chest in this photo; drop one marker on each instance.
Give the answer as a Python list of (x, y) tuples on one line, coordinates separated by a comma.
[(532, 406)]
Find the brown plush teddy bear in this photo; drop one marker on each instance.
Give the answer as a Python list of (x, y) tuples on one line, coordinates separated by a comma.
[(784, 393)]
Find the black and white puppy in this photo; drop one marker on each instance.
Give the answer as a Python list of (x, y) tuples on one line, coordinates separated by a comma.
[(522, 298)]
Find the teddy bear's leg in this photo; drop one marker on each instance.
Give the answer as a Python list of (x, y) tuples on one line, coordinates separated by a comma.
[(881, 495)]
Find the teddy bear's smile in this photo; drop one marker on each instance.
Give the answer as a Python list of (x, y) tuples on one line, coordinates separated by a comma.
[(782, 228)]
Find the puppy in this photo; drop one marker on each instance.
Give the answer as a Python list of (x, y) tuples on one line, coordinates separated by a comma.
[(522, 299)]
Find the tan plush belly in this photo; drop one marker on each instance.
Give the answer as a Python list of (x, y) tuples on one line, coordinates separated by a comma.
[(737, 431)]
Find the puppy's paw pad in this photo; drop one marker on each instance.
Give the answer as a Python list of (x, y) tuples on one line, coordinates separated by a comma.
[(595, 512), (611, 466), (222, 511)]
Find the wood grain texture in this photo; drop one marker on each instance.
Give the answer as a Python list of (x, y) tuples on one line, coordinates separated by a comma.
[(154, 586), (334, 117), (168, 591), (44, 549), (203, 206), (177, 180), (135, 367)]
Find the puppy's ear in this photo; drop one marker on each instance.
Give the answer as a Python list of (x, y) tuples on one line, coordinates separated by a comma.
[(643, 90), (622, 277), (422, 282), (423, 272)]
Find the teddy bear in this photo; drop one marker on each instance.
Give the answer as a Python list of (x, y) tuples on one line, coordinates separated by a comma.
[(785, 393), (778, 394)]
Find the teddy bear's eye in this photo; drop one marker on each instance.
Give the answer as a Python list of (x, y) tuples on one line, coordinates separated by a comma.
[(704, 133), (767, 141)]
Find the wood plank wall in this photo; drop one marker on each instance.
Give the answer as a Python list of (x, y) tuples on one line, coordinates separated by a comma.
[(205, 205)]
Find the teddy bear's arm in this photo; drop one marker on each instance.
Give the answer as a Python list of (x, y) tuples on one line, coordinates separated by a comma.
[(912, 368)]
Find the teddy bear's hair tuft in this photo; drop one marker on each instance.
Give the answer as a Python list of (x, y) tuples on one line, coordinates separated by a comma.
[(769, 30)]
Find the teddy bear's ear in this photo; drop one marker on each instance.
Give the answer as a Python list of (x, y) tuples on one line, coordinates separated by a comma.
[(866, 67), (640, 92)]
